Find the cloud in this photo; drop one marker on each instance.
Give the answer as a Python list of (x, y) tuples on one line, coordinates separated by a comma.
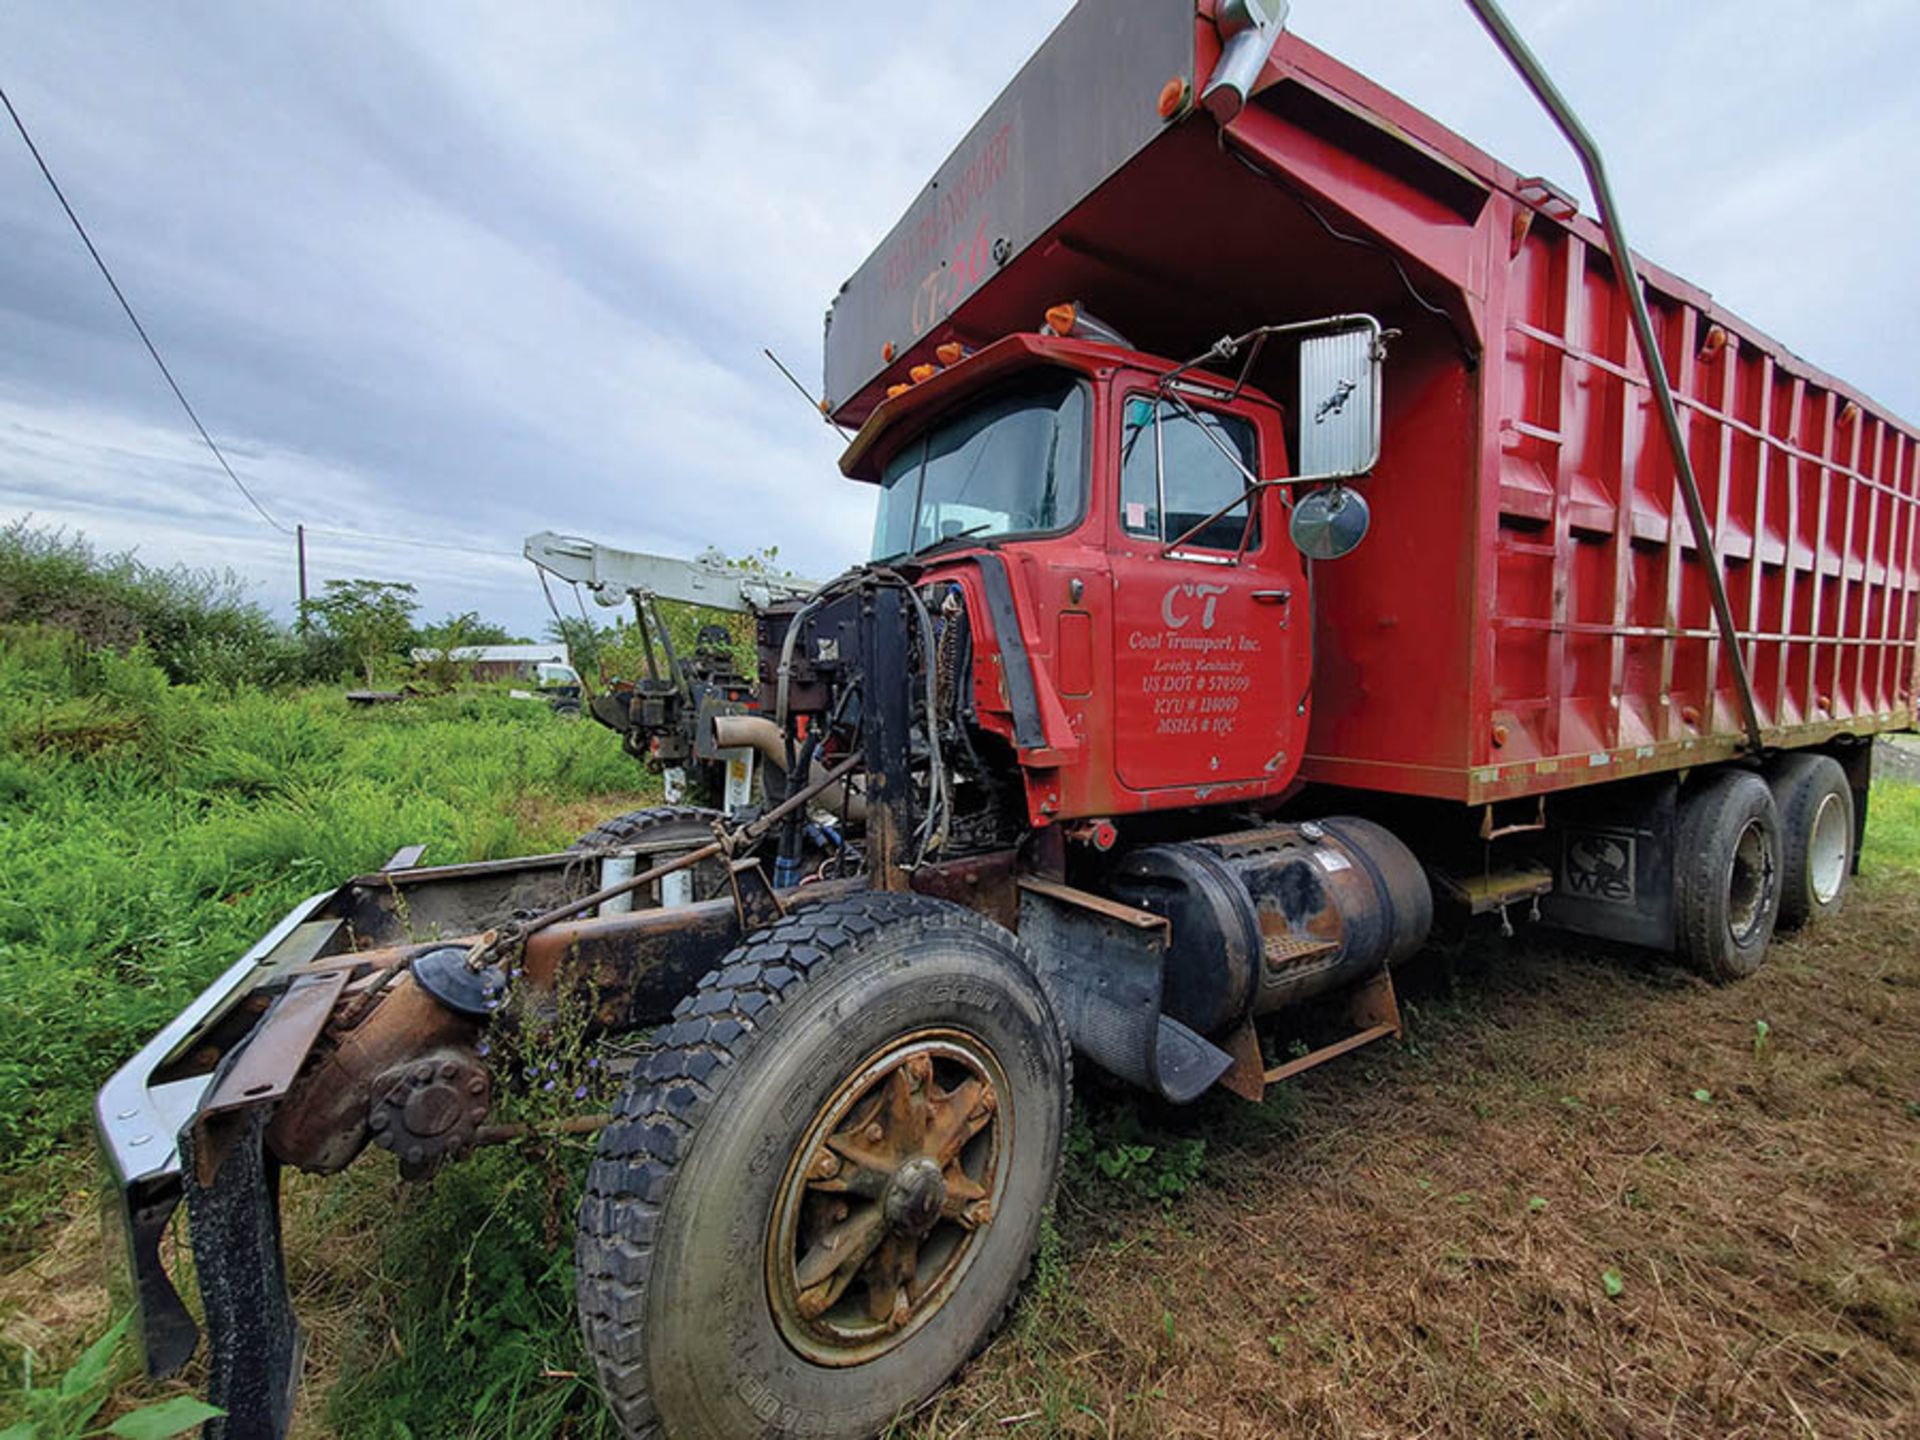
[(464, 272)]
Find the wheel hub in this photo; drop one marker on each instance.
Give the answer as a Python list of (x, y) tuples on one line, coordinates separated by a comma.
[(1750, 883), (915, 1197), (886, 1197)]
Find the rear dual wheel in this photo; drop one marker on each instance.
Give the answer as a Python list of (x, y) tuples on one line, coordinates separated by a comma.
[(821, 1191), (1817, 835), (1727, 873)]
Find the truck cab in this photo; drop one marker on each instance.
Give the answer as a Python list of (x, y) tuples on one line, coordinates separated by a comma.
[(1118, 526)]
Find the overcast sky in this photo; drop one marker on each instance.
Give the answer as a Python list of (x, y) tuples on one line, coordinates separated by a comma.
[(463, 272)]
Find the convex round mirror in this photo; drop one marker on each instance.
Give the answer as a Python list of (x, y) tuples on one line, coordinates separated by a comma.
[(1330, 523)]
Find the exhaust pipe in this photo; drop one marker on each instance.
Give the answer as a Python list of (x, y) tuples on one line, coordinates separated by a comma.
[(1249, 29), (764, 738)]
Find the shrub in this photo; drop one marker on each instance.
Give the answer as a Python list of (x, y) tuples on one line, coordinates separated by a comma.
[(198, 625)]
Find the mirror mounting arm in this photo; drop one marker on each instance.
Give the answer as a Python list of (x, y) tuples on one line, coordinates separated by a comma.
[(1245, 497)]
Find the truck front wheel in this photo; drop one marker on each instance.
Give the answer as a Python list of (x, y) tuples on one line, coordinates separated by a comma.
[(1727, 874), (821, 1191)]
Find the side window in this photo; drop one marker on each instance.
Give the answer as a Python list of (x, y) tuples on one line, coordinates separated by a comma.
[(1178, 471)]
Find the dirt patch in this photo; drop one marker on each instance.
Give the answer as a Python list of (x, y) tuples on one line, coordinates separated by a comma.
[(1590, 1195), (57, 1300)]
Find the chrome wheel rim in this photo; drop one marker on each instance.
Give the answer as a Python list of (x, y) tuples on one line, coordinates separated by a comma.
[(885, 1202), (1829, 849)]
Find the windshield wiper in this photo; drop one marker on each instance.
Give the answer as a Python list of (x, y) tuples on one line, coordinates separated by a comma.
[(953, 539)]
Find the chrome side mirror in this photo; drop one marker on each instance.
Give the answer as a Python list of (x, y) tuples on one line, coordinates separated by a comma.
[(1330, 523), (1340, 401)]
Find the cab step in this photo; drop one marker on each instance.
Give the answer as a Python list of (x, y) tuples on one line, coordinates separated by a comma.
[(1372, 1007)]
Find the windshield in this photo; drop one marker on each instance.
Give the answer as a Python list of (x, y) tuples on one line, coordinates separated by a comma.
[(1015, 464)]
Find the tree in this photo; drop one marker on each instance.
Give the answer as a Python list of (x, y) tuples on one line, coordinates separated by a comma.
[(581, 637), (367, 620), (466, 628)]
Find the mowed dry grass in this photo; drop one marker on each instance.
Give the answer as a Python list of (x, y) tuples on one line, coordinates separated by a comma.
[(1411, 1241), (1414, 1242)]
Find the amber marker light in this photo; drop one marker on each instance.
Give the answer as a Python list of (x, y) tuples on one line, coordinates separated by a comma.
[(951, 353), (1173, 98), (1060, 320)]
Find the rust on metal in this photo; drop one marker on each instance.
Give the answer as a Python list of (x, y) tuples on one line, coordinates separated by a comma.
[(755, 904), (1097, 904), (1280, 949), (982, 883), (1375, 1012), (1246, 1077), (428, 1109), (322, 1124), (885, 1197), (532, 1130), (279, 1046)]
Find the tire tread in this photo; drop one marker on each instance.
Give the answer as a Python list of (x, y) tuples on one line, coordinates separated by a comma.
[(712, 1031)]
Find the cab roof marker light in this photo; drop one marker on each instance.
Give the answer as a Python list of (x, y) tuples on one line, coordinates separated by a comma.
[(1070, 321)]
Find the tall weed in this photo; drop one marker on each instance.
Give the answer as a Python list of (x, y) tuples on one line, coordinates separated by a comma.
[(150, 832)]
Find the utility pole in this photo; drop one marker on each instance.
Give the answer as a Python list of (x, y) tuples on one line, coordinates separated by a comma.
[(300, 542)]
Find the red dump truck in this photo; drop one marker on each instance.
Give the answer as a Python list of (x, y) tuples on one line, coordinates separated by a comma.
[(1279, 550)]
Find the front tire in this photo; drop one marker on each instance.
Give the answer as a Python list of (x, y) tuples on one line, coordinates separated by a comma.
[(1816, 834), (821, 1192), (1727, 874)]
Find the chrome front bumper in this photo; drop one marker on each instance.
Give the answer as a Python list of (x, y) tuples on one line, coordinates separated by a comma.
[(138, 1119)]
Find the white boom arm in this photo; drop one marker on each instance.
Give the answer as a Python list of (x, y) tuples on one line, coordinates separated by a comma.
[(614, 575)]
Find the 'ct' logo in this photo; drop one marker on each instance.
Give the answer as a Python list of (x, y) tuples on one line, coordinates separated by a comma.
[(1177, 615)]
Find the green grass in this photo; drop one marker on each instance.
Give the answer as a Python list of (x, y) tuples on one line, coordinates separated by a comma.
[(150, 832), (1893, 830)]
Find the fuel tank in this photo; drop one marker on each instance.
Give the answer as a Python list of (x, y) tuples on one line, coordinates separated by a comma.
[(1262, 919)]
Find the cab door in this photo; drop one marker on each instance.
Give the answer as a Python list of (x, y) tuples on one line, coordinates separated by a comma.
[(1209, 622)]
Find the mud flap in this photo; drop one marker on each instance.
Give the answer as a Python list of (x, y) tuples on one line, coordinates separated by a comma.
[(233, 1213), (1103, 964)]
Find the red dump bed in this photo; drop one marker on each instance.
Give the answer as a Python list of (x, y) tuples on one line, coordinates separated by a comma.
[(1530, 611)]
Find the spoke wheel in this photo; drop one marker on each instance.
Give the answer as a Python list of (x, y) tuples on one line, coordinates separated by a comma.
[(886, 1198), (823, 1184)]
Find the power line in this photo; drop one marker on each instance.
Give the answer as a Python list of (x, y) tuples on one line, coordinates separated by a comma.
[(180, 395), (139, 329), (417, 544)]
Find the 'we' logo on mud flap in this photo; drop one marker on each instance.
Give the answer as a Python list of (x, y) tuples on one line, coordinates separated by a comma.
[(1598, 866)]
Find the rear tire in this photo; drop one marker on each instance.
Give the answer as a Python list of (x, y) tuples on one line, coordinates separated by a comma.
[(1727, 874), (1816, 835), (662, 823), (740, 1168)]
